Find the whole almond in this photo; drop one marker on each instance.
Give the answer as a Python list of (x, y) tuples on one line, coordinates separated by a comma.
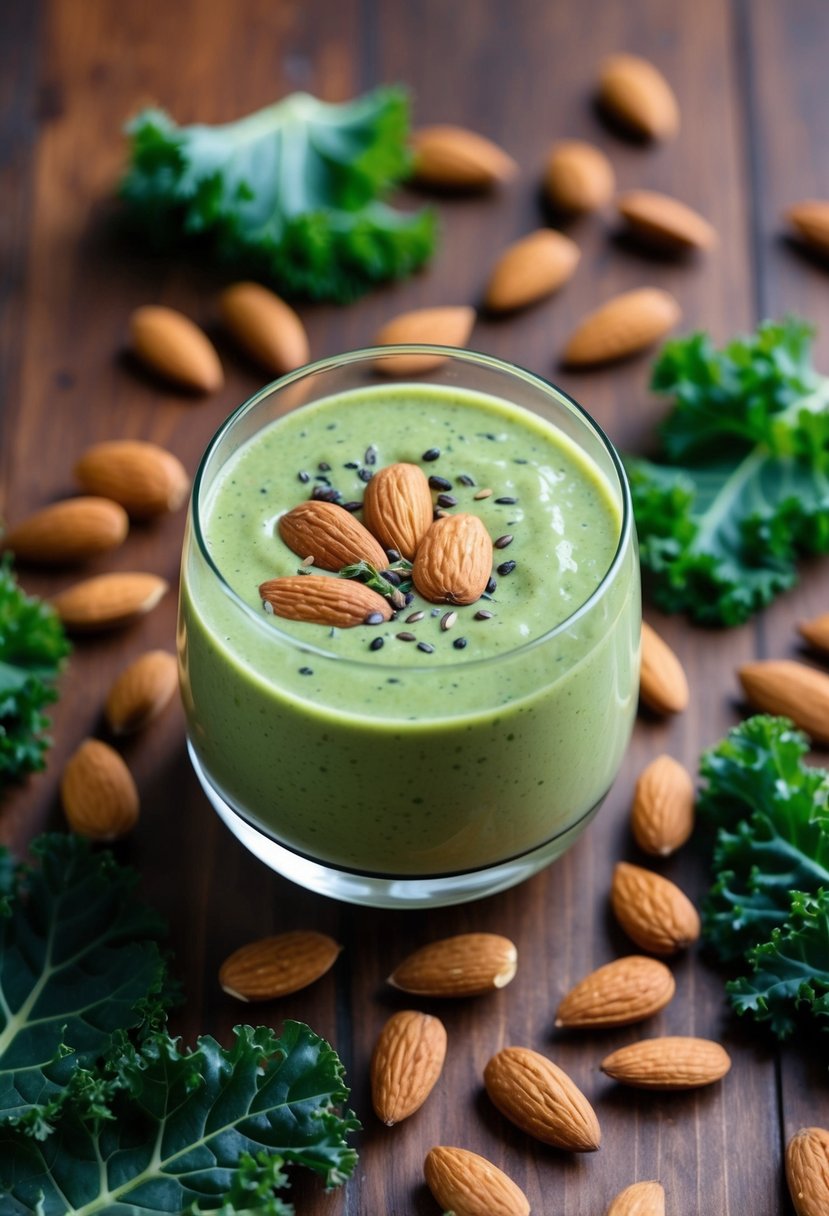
[(816, 631), (141, 692), (671, 1062), (275, 966), (663, 685), (810, 220), (172, 345), (619, 993), (664, 222), (807, 1171), (323, 601), (530, 269), (332, 536), (406, 1063), (466, 1184), (636, 95), (265, 326), (652, 910), (640, 1199), (450, 326), (468, 964), (578, 177), (662, 817), (144, 478), (397, 507), (98, 794), (67, 532), (622, 326), (454, 158), (792, 690), (453, 563), (536, 1095), (108, 601)]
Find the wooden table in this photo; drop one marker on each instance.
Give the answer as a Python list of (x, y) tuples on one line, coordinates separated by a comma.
[(752, 84)]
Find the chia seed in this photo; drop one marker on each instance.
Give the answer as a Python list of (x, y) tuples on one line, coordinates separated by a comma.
[(365, 475), (304, 477), (326, 494), (268, 606), (447, 500), (426, 647), (465, 480), (374, 618), (405, 636), (393, 555), (351, 464), (439, 483), (370, 456), (503, 541), (306, 671), (351, 506), (391, 576), (430, 454), (459, 643), (376, 644), (490, 587), (506, 567), (324, 466), (506, 501)]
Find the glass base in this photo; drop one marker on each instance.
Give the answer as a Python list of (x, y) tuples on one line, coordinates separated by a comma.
[(377, 891)]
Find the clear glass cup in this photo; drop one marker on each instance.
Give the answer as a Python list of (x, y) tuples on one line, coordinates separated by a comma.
[(373, 807)]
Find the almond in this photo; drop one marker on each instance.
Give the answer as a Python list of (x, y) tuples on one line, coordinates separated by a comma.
[(810, 220), (622, 326), (807, 1171), (332, 536), (323, 601), (453, 563), (466, 1184), (665, 222), (618, 994), (640, 1199), (265, 326), (275, 966), (790, 689), (172, 345), (99, 797), (108, 601), (638, 97), (663, 685), (662, 818), (468, 964), (816, 632), (652, 910), (536, 1095), (530, 269), (141, 692), (144, 478), (578, 177), (454, 158), (70, 531), (671, 1062), (397, 507), (450, 326), (406, 1063)]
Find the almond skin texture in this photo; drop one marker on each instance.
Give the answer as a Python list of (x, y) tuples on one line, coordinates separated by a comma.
[(530, 269), (663, 685), (108, 601), (69, 532), (99, 797), (791, 690), (640, 1199), (619, 993), (816, 632), (638, 97), (406, 1063), (664, 222), (172, 345), (662, 817), (539, 1098), (454, 560), (332, 536), (274, 966), (466, 1184), (265, 327), (453, 158), (468, 964), (622, 326), (397, 507), (141, 692), (652, 910), (578, 177), (144, 478), (807, 1171), (450, 326), (672, 1062), (323, 601), (810, 220)]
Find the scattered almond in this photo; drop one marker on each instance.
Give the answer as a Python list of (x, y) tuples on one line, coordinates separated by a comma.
[(619, 993), (323, 601), (810, 220), (141, 692), (536, 1095), (807, 1171), (265, 326), (275, 966), (640, 1199), (332, 536), (671, 1062), (67, 532), (450, 326), (663, 685), (468, 964), (652, 910), (636, 94), (99, 797), (466, 1184), (530, 269), (578, 177), (662, 817), (816, 631), (144, 478), (108, 601), (664, 222), (406, 1063), (453, 563), (397, 507), (172, 345), (792, 690), (454, 158), (622, 326)]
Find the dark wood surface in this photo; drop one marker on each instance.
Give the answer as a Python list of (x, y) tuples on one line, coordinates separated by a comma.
[(752, 84)]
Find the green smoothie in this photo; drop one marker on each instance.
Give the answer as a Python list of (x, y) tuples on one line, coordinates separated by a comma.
[(447, 748)]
